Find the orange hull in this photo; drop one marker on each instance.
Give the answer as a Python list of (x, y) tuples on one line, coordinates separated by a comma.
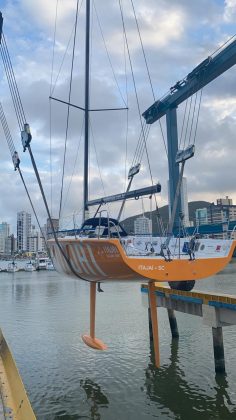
[(105, 260)]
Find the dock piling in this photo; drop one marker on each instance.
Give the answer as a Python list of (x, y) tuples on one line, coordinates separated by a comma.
[(150, 324), (153, 310), (218, 345), (173, 323)]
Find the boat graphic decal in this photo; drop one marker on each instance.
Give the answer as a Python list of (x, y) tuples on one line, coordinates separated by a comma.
[(79, 262), (95, 262)]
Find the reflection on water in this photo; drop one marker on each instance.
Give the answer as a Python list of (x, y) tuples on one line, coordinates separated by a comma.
[(169, 387), (21, 292), (43, 316), (95, 397)]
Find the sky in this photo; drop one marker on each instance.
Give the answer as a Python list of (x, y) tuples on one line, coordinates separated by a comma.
[(176, 37)]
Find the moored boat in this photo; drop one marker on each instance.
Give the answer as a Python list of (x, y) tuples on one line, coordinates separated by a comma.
[(50, 266), (12, 267), (41, 263), (29, 267)]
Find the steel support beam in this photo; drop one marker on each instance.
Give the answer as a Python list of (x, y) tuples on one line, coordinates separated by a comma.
[(204, 73), (153, 189), (172, 144)]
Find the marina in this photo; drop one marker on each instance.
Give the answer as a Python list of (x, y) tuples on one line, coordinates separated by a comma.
[(161, 300), (217, 311), (43, 316)]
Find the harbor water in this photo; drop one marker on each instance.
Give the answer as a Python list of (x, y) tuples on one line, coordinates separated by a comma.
[(43, 316)]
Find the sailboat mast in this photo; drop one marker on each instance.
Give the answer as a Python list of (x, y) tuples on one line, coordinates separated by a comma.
[(86, 123)]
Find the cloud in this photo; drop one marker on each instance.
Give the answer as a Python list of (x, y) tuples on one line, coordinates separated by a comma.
[(176, 36), (230, 10)]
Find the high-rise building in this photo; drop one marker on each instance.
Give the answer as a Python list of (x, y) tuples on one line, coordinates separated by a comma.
[(55, 223), (10, 245), (222, 212), (224, 201), (184, 201), (36, 242), (201, 216), (142, 226), (23, 230), (4, 233)]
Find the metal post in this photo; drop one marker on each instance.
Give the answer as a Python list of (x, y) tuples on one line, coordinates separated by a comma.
[(173, 323), (150, 325), (172, 143), (218, 346), (86, 122), (153, 308)]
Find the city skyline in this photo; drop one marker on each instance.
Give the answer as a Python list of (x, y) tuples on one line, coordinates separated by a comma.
[(227, 201), (177, 36)]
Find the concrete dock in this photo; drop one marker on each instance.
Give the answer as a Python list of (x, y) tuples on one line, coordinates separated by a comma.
[(216, 309)]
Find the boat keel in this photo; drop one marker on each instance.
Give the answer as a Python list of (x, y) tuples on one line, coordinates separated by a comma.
[(91, 340), (94, 343)]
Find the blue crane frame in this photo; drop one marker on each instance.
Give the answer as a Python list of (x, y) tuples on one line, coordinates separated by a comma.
[(200, 76)]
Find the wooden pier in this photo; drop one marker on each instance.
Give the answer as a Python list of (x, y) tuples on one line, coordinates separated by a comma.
[(216, 309)]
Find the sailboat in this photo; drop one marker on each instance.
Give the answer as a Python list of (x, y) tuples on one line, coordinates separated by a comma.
[(12, 267), (101, 251)]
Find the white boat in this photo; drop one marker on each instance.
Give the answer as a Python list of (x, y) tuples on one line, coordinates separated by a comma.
[(29, 267), (50, 266), (12, 267), (41, 263)]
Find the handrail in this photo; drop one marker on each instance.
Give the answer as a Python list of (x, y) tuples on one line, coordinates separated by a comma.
[(108, 222), (232, 231)]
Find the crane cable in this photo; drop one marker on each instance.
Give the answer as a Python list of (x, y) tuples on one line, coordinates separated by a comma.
[(135, 88), (17, 164), (26, 132), (142, 142), (148, 72)]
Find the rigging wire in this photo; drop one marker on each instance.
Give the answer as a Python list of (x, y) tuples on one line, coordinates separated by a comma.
[(12, 83), (188, 118), (12, 149), (108, 55), (148, 72), (133, 78), (65, 53), (194, 108), (198, 112), (144, 55), (68, 109), (99, 169), (50, 104), (183, 123), (19, 108), (73, 171), (127, 114)]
